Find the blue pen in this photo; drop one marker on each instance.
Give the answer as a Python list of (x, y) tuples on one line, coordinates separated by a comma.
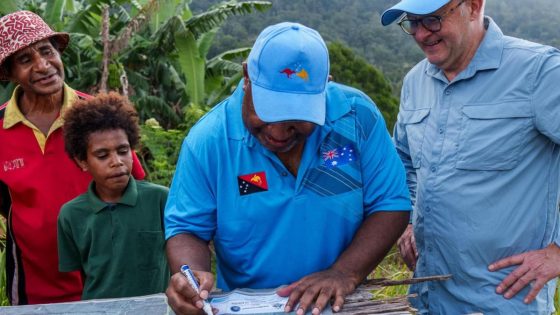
[(185, 270)]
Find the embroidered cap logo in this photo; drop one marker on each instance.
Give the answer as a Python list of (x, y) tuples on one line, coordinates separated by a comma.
[(298, 70)]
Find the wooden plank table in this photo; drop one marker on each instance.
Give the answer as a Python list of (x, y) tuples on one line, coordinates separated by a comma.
[(360, 302)]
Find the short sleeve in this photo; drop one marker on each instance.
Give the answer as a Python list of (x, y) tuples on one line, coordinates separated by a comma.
[(68, 253), (191, 204), (384, 176)]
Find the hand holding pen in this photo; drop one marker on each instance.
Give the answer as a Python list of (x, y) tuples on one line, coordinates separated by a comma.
[(186, 299), (185, 270)]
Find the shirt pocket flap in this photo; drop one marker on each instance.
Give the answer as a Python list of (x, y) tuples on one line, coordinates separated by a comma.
[(414, 116), (498, 111)]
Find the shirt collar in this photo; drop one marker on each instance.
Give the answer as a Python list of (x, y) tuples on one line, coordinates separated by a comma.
[(235, 127), (337, 106), (14, 115), (129, 198), (487, 57)]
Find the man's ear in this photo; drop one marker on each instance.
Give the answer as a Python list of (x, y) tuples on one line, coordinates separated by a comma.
[(81, 164), (476, 9)]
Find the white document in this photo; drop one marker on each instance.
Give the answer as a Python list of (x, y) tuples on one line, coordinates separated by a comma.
[(246, 301)]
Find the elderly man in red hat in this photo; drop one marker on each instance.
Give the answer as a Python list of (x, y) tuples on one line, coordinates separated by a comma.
[(36, 176)]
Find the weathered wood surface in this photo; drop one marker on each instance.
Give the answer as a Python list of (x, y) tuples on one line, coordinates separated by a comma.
[(358, 303), (157, 305), (149, 304), (361, 301)]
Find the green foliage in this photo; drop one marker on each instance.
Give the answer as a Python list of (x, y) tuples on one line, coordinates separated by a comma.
[(173, 81), (6, 91), (205, 22), (192, 65), (353, 23), (356, 24), (159, 46), (393, 268), (557, 298), (350, 69), (159, 152), (3, 294), (194, 38), (9, 6)]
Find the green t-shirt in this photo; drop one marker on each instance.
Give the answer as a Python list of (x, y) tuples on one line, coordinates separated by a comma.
[(119, 247)]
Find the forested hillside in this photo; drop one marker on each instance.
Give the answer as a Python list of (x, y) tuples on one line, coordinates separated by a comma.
[(356, 24)]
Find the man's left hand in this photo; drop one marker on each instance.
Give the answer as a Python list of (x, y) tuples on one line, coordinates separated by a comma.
[(316, 290), (535, 268)]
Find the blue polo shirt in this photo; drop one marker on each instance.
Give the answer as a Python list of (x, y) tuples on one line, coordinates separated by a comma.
[(269, 227)]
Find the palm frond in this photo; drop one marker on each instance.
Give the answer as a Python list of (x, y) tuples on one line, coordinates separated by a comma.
[(164, 37), (227, 63), (54, 13), (223, 67), (227, 88), (215, 17), (192, 65), (205, 41), (85, 22), (234, 54), (150, 106)]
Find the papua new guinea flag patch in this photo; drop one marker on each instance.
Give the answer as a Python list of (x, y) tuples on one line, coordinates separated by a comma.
[(252, 183)]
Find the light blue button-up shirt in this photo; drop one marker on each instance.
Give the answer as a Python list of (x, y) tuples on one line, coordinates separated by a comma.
[(482, 158)]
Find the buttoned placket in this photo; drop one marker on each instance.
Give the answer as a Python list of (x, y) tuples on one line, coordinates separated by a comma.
[(433, 147), (308, 155)]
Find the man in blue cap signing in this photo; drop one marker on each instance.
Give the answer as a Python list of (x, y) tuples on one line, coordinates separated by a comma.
[(294, 178), (479, 131)]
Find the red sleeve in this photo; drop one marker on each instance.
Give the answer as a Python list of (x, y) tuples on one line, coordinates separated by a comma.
[(137, 169)]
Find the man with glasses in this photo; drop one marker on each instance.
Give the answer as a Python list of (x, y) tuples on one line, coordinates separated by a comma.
[(479, 133)]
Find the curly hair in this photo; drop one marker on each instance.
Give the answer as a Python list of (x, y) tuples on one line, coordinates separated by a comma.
[(103, 112)]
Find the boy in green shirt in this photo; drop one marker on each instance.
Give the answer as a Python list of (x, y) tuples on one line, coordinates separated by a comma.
[(113, 233)]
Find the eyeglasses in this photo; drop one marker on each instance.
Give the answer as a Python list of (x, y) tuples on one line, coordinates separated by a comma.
[(430, 22)]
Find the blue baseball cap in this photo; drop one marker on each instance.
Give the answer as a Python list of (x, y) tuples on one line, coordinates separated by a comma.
[(416, 7), (289, 69)]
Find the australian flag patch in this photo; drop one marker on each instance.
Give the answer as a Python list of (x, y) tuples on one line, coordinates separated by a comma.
[(339, 156), (252, 183)]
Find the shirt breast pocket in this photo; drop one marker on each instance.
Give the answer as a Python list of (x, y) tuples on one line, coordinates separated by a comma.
[(493, 135), (414, 122)]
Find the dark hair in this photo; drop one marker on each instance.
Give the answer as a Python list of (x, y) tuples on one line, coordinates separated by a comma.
[(55, 43), (102, 112), (6, 67)]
